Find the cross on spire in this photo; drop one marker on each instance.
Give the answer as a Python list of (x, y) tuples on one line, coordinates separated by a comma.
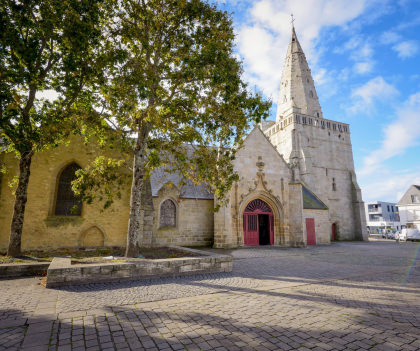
[(293, 20)]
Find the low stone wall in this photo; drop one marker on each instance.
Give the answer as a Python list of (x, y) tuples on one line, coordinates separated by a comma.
[(23, 269), (62, 273)]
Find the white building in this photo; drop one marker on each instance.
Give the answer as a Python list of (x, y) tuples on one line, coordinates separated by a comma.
[(409, 207), (382, 215)]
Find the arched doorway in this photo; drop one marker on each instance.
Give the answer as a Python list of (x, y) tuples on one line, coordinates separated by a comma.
[(258, 224)]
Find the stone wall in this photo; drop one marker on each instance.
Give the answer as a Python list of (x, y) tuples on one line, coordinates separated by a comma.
[(194, 222), (263, 175), (322, 225), (62, 273), (95, 226), (42, 229), (325, 158)]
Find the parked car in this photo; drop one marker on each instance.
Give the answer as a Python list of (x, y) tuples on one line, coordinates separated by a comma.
[(401, 236), (412, 234), (391, 235)]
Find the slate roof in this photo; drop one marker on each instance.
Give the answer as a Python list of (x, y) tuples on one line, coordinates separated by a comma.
[(189, 190), (310, 201)]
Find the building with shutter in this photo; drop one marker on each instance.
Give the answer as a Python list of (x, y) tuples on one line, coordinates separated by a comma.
[(409, 207)]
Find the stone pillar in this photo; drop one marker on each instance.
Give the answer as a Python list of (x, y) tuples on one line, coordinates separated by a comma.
[(223, 227), (360, 229), (296, 229)]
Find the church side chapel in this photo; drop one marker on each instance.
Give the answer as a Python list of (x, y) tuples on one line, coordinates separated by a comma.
[(297, 187)]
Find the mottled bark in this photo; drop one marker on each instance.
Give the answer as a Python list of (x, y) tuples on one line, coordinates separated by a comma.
[(21, 197), (135, 226)]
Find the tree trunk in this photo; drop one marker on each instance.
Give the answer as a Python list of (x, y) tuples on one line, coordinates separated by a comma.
[(137, 187), (21, 197)]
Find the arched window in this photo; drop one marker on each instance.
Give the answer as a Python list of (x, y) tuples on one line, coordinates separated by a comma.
[(66, 203), (168, 214)]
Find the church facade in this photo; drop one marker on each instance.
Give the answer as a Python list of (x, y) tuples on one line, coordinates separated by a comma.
[(297, 186)]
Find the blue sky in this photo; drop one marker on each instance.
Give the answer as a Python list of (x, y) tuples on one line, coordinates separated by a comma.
[(365, 60)]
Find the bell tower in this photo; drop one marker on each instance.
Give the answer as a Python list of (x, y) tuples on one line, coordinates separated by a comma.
[(318, 150)]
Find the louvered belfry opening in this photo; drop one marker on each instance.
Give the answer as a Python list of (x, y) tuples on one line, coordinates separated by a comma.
[(67, 204), (168, 214), (258, 224)]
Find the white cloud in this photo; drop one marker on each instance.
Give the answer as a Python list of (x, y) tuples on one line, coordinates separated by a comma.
[(263, 40), (400, 135), (389, 37), (363, 67), (365, 97), (406, 49), (361, 53), (388, 186)]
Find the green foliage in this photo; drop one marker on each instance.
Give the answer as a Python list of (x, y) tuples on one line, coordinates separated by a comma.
[(103, 180), (175, 85), (45, 46)]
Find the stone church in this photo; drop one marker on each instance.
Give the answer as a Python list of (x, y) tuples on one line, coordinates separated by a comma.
[(297, 186)]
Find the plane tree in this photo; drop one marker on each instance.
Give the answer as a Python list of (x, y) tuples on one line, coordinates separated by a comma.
[(49, 52), (175, 90)]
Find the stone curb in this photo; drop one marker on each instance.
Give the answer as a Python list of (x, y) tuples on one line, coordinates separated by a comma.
[(62, 273), (23, 269)]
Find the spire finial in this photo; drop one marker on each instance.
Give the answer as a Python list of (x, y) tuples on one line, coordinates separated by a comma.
[(293, 20)]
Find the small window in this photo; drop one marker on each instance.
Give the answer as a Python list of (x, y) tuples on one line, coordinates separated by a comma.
[(334, 126), (311, 93), (388, 208), (317, 114), (415, 199), (67, 204), (326, 172), (328, 125), (284, 98), (334, 187), (304, 120), (168, 214)]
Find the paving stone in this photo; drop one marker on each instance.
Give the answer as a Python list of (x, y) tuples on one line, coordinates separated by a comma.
[(345, 296)]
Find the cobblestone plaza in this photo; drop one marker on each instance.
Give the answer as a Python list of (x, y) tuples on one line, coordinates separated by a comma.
[(346, 296)]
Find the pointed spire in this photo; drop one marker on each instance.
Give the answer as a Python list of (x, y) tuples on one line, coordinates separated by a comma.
[(297, 88)]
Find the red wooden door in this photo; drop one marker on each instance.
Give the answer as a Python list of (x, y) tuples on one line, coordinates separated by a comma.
[(251, 225), (310, 231), (251, 236)]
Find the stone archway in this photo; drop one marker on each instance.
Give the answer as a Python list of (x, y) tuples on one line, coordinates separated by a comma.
[(93, 237), (258, 223)]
